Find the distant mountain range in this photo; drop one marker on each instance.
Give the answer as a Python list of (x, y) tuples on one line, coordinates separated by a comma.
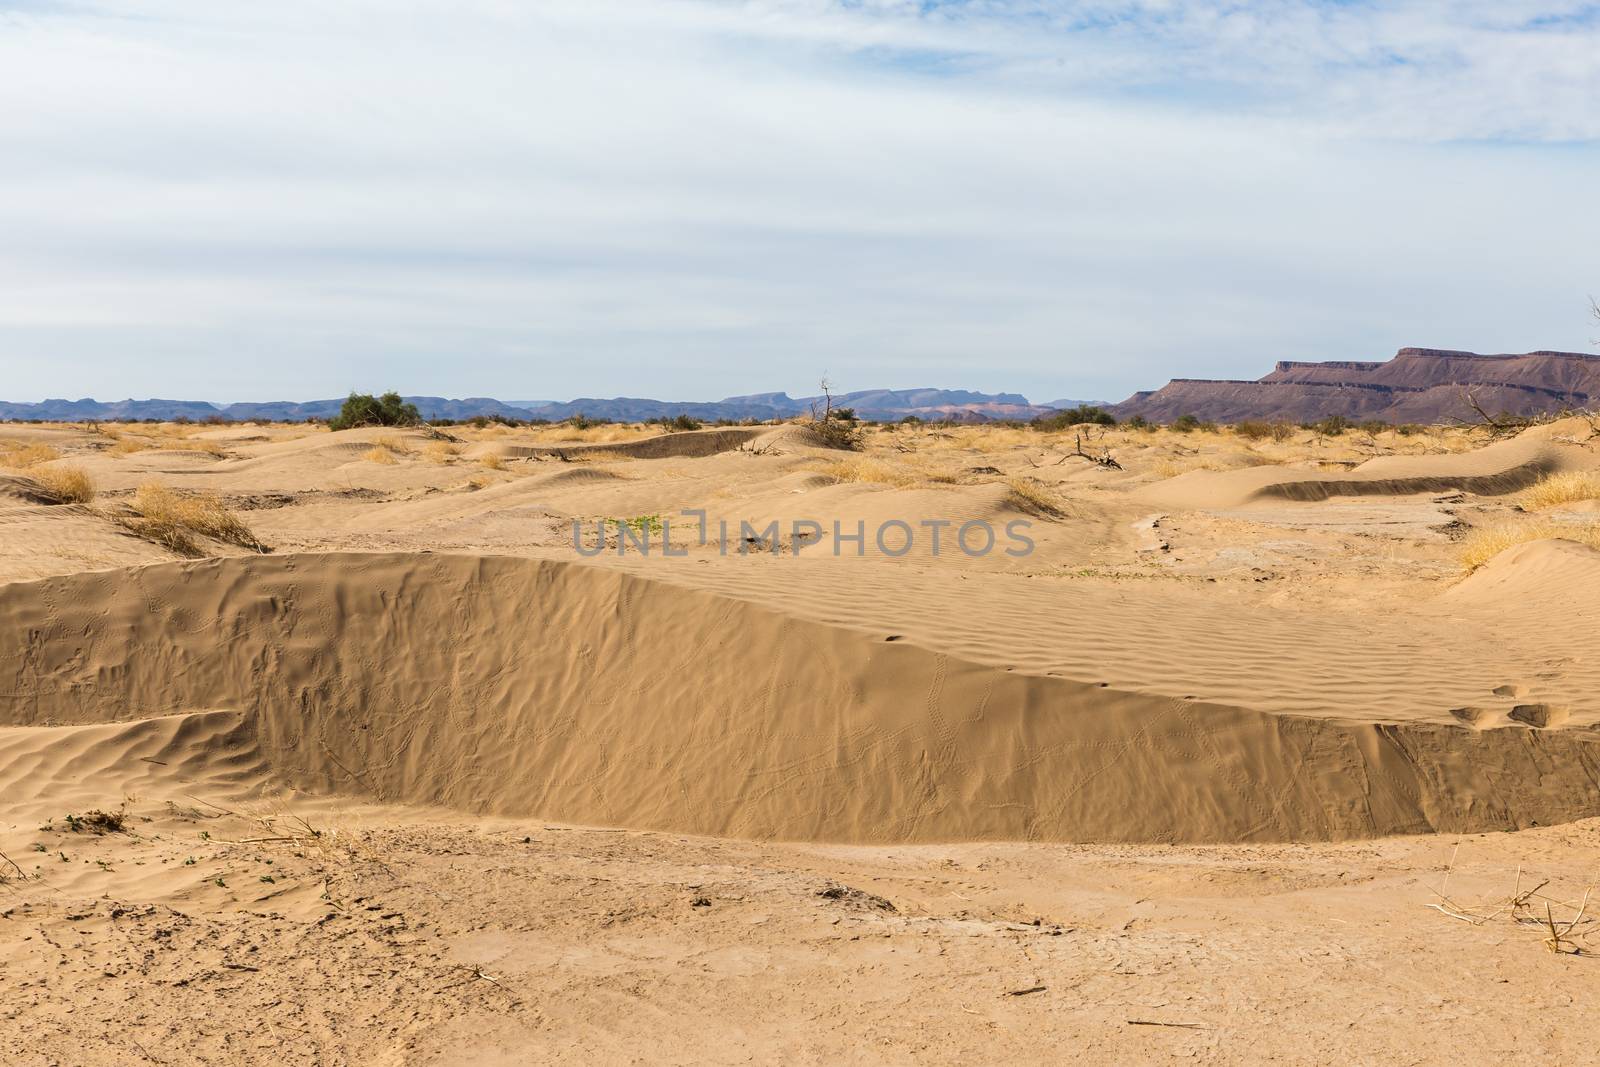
[(879, 405), (1421, 385), (1418, 385)]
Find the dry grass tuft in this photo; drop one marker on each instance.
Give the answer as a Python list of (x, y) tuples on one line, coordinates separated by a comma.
[(379, 455), (1569, 488), (493, 461), (172, 519), (126, 446), (1565, 926), (21, 457), (394, 443), (1024, 494), (184, 444), (864, 469), (63, 485), (1484, 544), (441, 452)]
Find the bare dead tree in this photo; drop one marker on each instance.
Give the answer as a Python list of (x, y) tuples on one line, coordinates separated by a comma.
[(1497, 425), (1103, 459)]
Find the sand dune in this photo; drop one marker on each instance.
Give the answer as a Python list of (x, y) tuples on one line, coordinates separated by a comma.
[(1497, 470), (590, 696)]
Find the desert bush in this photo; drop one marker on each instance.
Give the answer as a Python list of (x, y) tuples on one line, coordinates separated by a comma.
[(1191, 423), (169, 518), (1252, 429), (63, 485), (680, 422), (362, 409), (1332, 426), (1567, 488), (493, 461), (1082, 415)]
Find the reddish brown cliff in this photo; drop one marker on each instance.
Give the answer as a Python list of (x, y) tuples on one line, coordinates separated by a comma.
[(1417, 385)]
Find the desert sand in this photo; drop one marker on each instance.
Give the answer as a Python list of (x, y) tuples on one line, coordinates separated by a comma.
[(1274, 748)]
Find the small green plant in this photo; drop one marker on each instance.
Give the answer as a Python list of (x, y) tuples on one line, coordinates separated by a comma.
[(641, 524)]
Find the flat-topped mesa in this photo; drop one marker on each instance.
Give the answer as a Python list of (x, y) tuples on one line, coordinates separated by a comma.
[(1417, 385)]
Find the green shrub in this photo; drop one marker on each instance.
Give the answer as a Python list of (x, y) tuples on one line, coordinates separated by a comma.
[(362, 409), (1082, 415)]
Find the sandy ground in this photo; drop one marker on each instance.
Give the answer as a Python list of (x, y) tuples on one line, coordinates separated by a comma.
[(1239, 764)]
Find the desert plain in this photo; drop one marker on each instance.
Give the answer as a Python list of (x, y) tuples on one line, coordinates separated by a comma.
[(418, 746)]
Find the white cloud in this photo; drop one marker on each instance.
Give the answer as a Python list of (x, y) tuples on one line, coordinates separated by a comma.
[(694, 198)]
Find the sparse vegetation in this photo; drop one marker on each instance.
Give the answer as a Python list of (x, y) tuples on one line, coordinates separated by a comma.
[(379, 454), (1570, 487), (1484, 544), (99, 822), (21, 457), (1258, 430), (837, 427), (863, 469)]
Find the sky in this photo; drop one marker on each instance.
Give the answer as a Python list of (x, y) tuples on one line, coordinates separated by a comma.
[(690, 199)]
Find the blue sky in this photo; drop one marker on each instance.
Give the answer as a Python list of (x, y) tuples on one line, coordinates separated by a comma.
[(694, 198)]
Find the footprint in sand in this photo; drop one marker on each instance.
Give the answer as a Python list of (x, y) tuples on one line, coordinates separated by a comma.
[(1473, 717), (1539, 716), (1507, 690)]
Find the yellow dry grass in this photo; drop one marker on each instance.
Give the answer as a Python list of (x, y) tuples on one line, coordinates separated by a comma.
[(441, 452), (172, 519), (183, 444), (394, 443), (1484, 544), (379, 455), (127, 446), (64, 484), (866, 469), (493, 461), (1029, 496), (1568, 488), (21, 457)]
